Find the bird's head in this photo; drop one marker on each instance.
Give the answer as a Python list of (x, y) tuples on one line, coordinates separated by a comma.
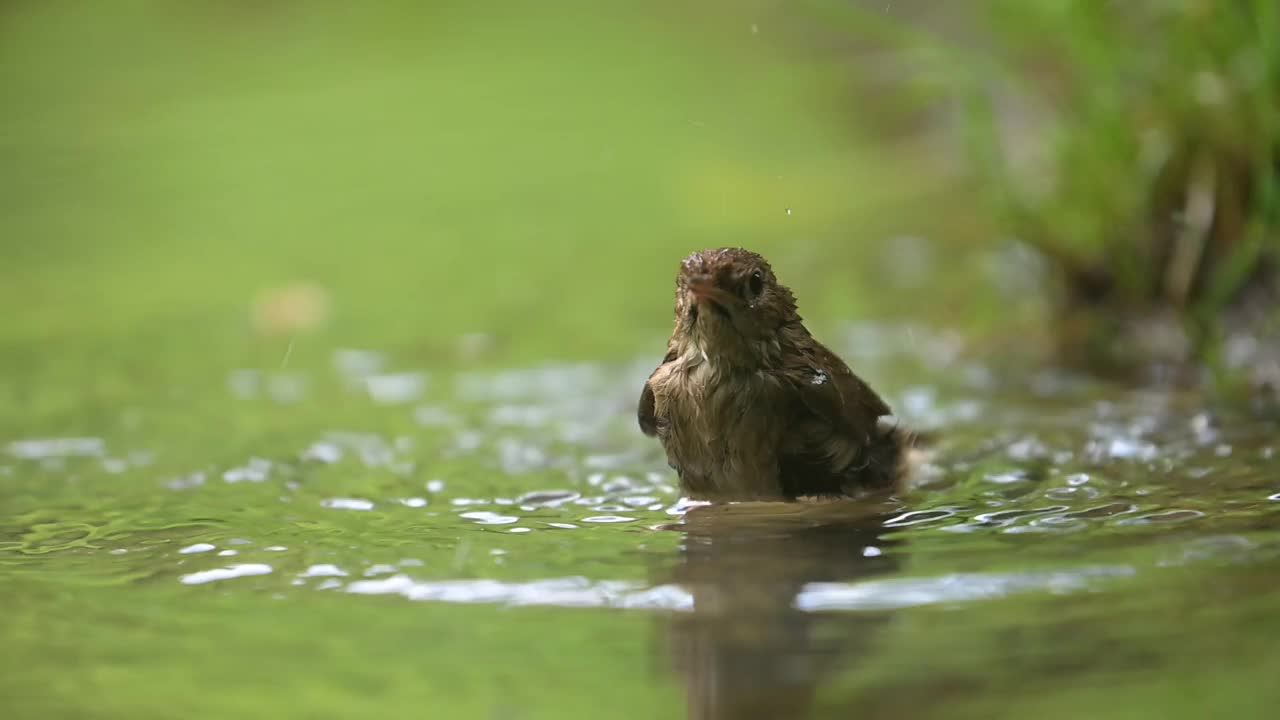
[(730, 304)]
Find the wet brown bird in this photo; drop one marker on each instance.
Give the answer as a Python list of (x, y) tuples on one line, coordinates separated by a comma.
[(749, 406)]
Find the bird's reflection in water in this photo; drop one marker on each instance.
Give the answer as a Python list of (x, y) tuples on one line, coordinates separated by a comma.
[(745, 650)]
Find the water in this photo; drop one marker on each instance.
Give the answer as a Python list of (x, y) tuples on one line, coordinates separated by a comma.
[(507, 544), (324, 331)]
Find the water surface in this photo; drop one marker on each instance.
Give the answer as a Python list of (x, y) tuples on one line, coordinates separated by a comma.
[(506, 543)]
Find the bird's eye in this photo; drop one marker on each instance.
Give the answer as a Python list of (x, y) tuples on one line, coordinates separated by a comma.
[(755, 284)]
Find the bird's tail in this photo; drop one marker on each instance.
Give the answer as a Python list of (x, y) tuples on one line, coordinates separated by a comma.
[(902, 452)]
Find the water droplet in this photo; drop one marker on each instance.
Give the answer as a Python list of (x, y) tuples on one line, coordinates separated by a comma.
[(529, 416), (1027, 449), (226, 573), (550, 498), (1125, 448), (608, 519), (1074, 493), (684, 505), (393, 584), (637, 501), (620, 484), (256, 470), (186, 482), (287, 388), (115, 466), (396, 389), (484, 517), (607, 462), (429, 416), (324, 452), (462, 502), (41, 449), (347, 504), (244, 384), (324, 571), (1006, 478), (358, 363)]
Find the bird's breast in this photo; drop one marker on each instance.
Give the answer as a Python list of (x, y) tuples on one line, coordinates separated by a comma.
[(721, 426)]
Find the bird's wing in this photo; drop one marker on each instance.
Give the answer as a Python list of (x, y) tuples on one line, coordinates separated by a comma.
[(646, 413), (830, 390)]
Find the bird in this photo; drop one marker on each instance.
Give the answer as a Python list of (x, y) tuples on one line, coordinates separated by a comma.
[(750, 407)]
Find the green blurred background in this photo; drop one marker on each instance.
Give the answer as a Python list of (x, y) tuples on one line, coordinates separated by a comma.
[(534, 173)]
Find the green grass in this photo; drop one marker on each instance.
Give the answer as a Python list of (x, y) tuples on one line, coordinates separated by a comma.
[(1134, 147), (1155, 179)]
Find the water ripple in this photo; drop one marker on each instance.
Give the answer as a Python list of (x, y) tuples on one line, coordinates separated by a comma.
[(960, 587), (348, 504), (45, 448), (324, 570), (226, 573), (484, 517), (876, 595), (918, 517), (561, 592), (1166, 516)]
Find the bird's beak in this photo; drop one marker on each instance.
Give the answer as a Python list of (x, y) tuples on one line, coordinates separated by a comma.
[(704, 289)]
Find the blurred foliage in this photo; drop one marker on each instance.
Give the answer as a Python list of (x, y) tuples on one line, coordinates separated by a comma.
[(1150, 181)]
